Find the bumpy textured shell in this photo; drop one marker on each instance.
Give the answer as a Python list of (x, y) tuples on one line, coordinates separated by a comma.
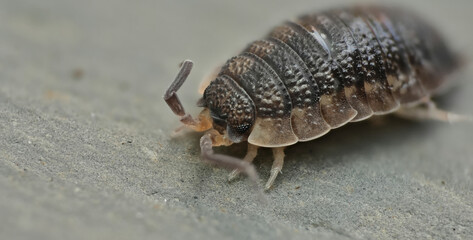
[(325, 70)]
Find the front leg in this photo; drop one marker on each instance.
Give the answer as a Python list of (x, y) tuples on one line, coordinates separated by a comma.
[(229, 162), (249, 157)]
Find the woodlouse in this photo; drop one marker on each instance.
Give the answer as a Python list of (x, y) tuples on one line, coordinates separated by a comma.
[(318, 73)]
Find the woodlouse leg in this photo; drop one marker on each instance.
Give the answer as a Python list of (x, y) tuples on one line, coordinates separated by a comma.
[(229, 162), (278, 162), (249, 157), (429, 110), (171, 98)]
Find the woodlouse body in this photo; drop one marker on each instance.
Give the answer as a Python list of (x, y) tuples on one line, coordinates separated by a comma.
[(315, 74), (325, 70)]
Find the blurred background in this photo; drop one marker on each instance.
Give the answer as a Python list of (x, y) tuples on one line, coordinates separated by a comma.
[(86, 152)]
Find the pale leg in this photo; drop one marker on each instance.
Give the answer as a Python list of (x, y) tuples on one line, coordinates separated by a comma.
[(278, 162), (249, 157), (429, 111)]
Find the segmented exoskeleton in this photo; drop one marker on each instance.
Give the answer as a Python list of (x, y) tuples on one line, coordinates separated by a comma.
[(317, 73)]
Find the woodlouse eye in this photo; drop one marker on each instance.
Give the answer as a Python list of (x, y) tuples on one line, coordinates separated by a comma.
[(238, 133), (242, 128)]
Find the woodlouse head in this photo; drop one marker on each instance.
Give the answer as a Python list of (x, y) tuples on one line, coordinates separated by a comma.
[(230, 109)]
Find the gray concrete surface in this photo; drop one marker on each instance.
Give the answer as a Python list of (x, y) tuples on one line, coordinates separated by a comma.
[(86, 153)]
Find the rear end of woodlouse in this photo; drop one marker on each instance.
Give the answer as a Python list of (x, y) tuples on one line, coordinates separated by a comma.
[(318, 73)]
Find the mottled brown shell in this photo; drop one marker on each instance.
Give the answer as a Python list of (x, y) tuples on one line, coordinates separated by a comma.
[(324, 70)]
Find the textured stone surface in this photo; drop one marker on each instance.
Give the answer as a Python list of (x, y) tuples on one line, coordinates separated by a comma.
[(85, 150)]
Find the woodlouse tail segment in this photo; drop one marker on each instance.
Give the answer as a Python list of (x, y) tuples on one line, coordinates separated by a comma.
[(203, 122), (229, 162)]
